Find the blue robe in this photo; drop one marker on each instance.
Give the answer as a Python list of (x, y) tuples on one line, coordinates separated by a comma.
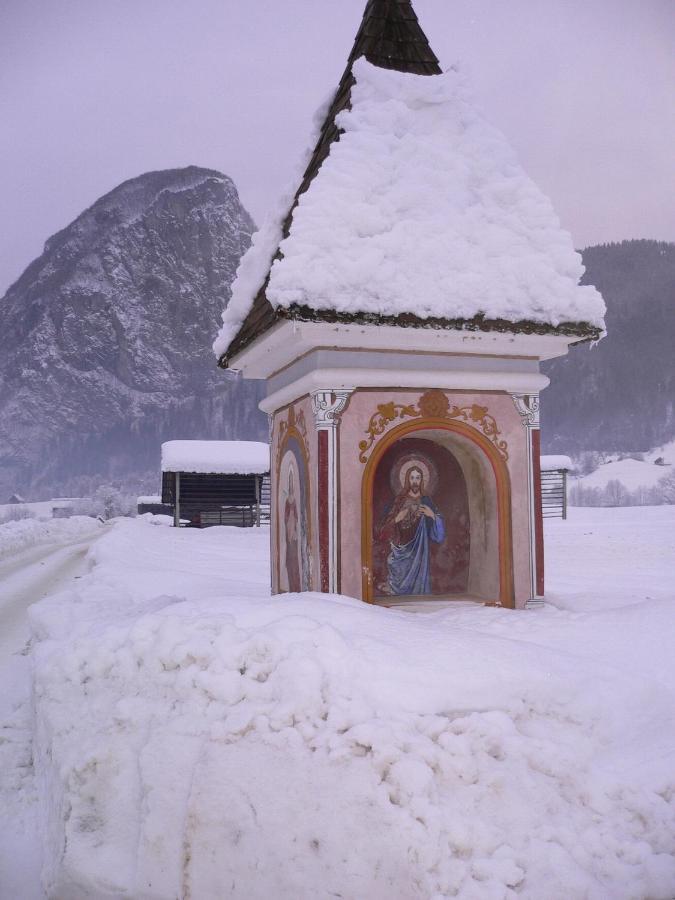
[(410, 564)]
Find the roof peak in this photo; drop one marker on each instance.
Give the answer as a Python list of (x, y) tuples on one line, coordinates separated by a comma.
[(390, 37)]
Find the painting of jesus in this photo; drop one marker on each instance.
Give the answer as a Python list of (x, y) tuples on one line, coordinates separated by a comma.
[(410, 525)]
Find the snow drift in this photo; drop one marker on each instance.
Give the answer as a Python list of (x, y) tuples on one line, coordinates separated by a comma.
[(25, 533), (204, 740)]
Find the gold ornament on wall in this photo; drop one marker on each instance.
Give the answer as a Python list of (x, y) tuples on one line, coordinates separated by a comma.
[(433, 404)]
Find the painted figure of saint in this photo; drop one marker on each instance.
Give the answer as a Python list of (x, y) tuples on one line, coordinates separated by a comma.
[(292, 529), (412, 522)]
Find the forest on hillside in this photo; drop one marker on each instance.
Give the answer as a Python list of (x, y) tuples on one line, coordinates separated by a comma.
[(619, 394)]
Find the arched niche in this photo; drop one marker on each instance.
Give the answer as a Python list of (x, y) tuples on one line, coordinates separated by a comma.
[(475, 468), (292, 518), (440, 563)]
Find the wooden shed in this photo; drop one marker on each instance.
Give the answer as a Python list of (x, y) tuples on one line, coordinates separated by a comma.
[(153, 504), (554, 471), (214, 482)]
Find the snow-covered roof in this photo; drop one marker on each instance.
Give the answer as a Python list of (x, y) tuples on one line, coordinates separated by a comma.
[(149, 500), (420, 208), (553, 463), (216, 457)]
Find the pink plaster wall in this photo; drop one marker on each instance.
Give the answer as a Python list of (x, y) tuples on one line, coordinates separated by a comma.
[(353, 429)]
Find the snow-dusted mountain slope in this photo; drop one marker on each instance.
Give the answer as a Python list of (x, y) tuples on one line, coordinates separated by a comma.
[(632, 473), (620, 394), (105, 339)]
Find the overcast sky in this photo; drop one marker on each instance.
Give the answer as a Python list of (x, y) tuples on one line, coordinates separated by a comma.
[(93, 92)]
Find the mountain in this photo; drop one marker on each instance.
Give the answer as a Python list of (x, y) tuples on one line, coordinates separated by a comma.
[(620, 394), (105, 340), (105, 343)]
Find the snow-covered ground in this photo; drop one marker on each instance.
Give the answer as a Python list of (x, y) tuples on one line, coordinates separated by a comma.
[(197, 738), (44, 509), (665, 452), (25, 533), (41, 562), (632, 473)]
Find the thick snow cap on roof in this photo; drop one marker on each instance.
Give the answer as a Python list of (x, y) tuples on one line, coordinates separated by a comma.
[(216, 457), (554, 463), (421, 207)]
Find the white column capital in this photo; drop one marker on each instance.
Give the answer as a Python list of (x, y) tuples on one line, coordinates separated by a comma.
[(328, 407), (528, 407)]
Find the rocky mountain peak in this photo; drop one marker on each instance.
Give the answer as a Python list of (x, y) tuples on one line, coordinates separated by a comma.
[(105, 338)]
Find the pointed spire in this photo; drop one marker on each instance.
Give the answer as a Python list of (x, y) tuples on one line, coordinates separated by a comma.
[(390, 37)]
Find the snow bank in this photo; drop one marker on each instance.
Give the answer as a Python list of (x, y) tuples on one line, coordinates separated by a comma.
[(422, 207), (199, 738), (632, 473), (665, 452), (220, 457), (551, 463), (623, 557), (44, 509), (25, 533)]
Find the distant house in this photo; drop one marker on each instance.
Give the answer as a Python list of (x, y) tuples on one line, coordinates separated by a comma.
[(214, 482), (63, 508), (16, 498)]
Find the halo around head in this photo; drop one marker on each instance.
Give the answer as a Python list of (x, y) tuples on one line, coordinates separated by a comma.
[(411, 461), (413, 464)]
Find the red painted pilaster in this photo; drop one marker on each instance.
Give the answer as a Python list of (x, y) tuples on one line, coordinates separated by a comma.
[(324, 548)]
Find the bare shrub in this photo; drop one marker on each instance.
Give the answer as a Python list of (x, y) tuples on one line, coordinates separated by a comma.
[(109, 501), (666, 487), (615, 493)]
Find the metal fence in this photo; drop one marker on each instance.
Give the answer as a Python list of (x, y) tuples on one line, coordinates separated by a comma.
[(265, 499), (239, 516)]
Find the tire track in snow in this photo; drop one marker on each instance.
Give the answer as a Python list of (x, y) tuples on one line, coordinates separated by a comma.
[(25, 578)]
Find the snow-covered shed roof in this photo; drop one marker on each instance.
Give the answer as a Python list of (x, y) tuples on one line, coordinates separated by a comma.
[(412, 211), (216, 457), (555, 463)]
